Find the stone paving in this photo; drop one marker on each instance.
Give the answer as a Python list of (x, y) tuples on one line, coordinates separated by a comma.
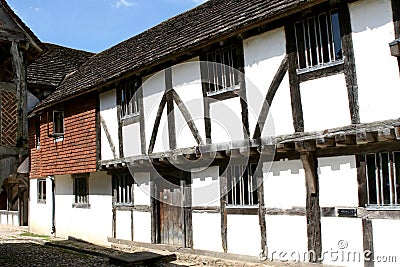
[(20, 248)]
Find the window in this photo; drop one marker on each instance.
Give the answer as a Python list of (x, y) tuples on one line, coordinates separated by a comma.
[(123, 189), (58, 123), (129, 98), (41, 190), (223, 75), (242, 184), (81, 190), (318, 40), (383, 178)]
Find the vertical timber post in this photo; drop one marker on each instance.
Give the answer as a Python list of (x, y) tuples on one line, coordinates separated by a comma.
[(313, 211), (224, 216)]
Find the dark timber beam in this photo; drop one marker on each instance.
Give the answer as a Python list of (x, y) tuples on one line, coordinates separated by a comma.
[(108, 135), (170, 109), (349, 63), (273, 88), (294, 81), (157, 124), (313, 210)]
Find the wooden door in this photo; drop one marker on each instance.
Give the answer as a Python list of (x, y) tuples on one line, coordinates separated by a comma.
[(172, 227)]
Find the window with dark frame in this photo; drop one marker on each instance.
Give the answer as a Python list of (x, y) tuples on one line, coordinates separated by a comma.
[(222, 69), (37, 132), (123, 189), (129, 98), (383, 179), (41, 190), (318, 40), (81, 190), (242, 184), (58, 123)]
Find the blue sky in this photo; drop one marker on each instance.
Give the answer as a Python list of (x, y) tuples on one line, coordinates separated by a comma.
[(95, 25)]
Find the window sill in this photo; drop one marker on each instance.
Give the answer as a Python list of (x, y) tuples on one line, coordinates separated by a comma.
[(81, 205), (225, 93), (58, 139), (320, 71), (383, 208), (130, 119), (242, 209), (41, 202)]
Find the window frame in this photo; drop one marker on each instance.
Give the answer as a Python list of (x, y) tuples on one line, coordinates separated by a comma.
[(58, 135), (228, 60), (81, 195), (129, 89), (316, 52), (377, 176), (37, 132), (41, 191), (237, 198), (123, 185)]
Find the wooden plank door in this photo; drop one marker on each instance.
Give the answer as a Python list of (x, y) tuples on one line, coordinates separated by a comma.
[(172, 227)]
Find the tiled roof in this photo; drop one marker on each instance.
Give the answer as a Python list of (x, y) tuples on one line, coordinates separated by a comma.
[(58, 61), (211, 20)]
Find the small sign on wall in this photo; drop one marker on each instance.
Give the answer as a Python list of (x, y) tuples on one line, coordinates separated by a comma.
[(346, 212)]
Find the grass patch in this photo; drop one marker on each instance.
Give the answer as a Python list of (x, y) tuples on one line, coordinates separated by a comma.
[(35, 235)]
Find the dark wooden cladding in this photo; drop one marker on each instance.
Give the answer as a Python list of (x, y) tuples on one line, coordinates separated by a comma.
[(313, 210), (349, 63), (273, 88), (294, 81)]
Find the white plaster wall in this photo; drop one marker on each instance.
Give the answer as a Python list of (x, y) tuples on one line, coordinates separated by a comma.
[(207, 231), (142, 226), (124, 225), (186, 80), (226, 120), (377, 71), (132, 140), (108, 111), (386, 235), (286, 237), (40, 215), (153, 90), (205, 187), (284, 184), (142, 188), (93, 224), (325, 103), (341, 238), (244, 236), (263, 55), (338, 181)]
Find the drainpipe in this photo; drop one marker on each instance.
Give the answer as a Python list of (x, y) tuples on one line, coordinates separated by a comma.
[(53, 205)]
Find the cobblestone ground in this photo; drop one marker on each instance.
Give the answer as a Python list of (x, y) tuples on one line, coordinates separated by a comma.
[(17, 250)]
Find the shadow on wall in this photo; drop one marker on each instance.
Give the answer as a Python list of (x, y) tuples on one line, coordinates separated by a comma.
[(377, 14)]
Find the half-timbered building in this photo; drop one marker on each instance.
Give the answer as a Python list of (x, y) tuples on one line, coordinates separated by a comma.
[(238, 127)]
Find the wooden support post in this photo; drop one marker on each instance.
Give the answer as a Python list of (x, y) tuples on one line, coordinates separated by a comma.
[(262, 212), (224, 217), (368, 242), (155, 211), (349, 63), (19, 66), (313, 211), (170, 109), (294, 81), (187, 205), (206, 101), (120, 136), (114, 214)]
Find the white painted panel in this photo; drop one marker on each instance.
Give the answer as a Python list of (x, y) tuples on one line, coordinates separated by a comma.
[(153, 90), (263, 55), (325, 103), (124, 225), (186, 80), (284, 184), (226, 120), (244, 235), (142, 226), (338, 181), (40, 214), (142, 188), (205, 187), (342, 241), (377, 71), (108, 111), (386, 235), (92, 224), (286, 238), (210, 224), (132, 141)]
